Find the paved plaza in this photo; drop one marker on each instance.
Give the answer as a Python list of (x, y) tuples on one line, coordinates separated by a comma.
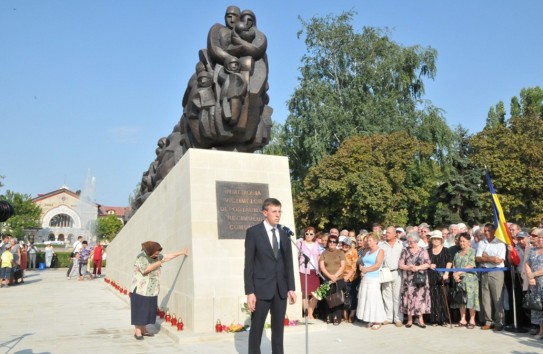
[(50, 314)]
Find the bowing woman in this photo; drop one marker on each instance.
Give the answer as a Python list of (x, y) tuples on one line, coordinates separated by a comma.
[(146, 285)]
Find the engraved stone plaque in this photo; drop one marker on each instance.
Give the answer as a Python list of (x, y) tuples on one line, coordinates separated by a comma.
[(239, 206)]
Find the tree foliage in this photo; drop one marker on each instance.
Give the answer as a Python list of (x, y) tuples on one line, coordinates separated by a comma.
[(26, 214), (108, 227), (457, 197), (383, 178), (356, 84), (513, 153)]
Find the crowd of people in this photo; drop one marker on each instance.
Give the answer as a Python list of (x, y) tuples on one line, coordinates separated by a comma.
[(18, 256), (396, 276)]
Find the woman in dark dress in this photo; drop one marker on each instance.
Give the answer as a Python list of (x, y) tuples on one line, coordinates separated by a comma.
[(439, 258)]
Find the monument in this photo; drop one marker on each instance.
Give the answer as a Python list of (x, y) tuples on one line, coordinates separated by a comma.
[(205, 188), (225, 105)]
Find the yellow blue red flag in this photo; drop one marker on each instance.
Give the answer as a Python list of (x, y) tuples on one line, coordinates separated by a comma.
[(502, 231)]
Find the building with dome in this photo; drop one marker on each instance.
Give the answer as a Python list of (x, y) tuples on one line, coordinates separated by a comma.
[(67, 215)]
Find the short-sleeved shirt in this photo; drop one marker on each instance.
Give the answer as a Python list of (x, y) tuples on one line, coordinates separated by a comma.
[(7, 259), (332, 260), (496, 248), (351, 257), (84, 254), (392, 254), (145, 284)]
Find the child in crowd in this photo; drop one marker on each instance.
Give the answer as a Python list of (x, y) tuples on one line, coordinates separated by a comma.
[(6, 260), (75, 268)]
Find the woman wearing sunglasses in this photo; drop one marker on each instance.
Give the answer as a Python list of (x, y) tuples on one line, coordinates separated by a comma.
[(309, 250), (332, 265)]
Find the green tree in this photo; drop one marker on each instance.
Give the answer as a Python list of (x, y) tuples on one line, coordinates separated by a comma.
[(514, 156), (355, 84), (108, 227), (496, 115), (26, 214), (382, 178), (458, 195)]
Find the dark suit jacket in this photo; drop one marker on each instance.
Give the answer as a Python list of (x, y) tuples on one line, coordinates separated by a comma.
[(263, 273)]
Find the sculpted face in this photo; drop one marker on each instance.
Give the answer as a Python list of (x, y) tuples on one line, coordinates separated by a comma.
[(231, 17)]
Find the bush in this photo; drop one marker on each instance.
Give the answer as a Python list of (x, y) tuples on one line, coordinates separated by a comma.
[(60, 259)]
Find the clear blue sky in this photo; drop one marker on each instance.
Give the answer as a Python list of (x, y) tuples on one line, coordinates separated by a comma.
[(94, 84)]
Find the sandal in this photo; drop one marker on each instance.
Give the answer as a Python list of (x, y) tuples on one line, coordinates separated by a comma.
[(375, 326), (336, 322), (408, 325), (470, 326), (460, 324)]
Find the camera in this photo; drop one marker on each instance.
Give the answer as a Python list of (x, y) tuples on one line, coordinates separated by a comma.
[(6, 210)]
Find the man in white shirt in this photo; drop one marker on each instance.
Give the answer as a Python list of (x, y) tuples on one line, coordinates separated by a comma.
[(491, 254), (391, 290)]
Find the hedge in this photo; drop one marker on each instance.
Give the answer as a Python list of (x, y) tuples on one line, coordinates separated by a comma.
[(60, 260)]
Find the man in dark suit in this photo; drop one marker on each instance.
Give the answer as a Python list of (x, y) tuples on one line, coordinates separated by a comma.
[(269, 276)]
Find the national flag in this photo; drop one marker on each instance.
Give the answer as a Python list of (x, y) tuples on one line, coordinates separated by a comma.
[(502, 231)]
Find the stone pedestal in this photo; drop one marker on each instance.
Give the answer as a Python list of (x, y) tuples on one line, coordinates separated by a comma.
[(183, 212)]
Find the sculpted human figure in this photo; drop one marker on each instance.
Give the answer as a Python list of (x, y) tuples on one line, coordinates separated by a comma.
[(218, 39), (233, 91), (244, 27), (204, 101), (225, 104)]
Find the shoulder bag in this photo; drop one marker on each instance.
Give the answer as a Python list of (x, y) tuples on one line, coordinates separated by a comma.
[(458, 295), (419, 278), (336, 297), (385, 275), (532, 302)]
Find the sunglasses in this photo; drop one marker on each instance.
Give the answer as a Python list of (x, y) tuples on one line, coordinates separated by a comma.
[(332, 241), (309, 234)]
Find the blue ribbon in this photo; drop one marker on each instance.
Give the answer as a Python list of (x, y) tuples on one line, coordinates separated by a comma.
[(471, 270)]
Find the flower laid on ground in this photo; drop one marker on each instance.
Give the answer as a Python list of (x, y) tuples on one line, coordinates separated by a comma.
[(321, 291)]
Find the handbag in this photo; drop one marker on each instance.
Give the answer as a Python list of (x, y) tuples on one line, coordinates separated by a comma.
[(17, 273), (458, 295), (531, 302), (385, 275), (335, 297), (419, 278)]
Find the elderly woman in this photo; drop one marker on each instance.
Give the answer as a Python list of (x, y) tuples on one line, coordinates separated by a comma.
[(415, 298), (465, 258), (146, 284), (534, 271), (439, 258), (332, 265), (349, 275), (370, 302), (309, 264)]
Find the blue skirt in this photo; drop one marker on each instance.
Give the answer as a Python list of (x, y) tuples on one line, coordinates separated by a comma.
[(143, 309)]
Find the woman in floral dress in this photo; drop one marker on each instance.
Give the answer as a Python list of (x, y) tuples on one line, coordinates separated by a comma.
[(534, 271), (465, 258), (415, 299)]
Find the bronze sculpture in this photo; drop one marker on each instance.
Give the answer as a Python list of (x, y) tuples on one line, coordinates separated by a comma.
[(225, 104)]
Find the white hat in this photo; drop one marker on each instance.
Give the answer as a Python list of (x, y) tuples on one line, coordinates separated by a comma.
[(400, 229), (436, 234), (342, 239)]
